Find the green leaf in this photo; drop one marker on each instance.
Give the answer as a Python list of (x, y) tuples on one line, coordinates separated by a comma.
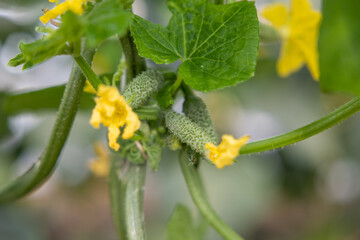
[(154, 153), (4, 130), (44, 99), (17, 60), (105, 20), (217, 44), (54, 44), (181, 225), (339, 46), (164, 97), (127, 4)]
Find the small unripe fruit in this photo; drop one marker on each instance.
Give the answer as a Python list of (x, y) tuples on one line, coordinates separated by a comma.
[(142, 88)]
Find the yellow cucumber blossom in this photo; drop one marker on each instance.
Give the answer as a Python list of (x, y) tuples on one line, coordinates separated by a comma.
[(75, 6), (227, 151), (100, 165), (113, 112), (89, 88), (299, 29)]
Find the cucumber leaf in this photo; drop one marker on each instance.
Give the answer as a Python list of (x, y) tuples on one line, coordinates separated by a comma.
[(105, 20), (217, 44), (181, 226)]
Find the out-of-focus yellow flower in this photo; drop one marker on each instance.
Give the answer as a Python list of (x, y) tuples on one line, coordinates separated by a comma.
[(100, 165), (89, 88), (113, 112), (227, 150), (75, 6), (299, 29)]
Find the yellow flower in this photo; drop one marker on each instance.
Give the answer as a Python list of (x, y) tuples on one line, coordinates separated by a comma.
[(227, 150), (113, 112), (75, 6), (299, 28), (89, 88), (100, 165)]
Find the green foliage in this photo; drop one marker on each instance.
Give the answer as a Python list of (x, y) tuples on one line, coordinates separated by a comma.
[(143, 87), (218, 44), (187, 131), (43, 99), (339, 46), (154, 154), (165, 98), (126, 4), (54, 44), (106, 19), (145, 146), (130, 151), (4, 130), (181, 225)]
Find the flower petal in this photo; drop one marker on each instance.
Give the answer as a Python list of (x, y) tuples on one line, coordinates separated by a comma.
[(277, 14), (227, 150), (113, 135), (291, 58)]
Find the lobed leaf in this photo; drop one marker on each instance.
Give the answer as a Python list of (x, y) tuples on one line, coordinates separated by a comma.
[(217, 44)]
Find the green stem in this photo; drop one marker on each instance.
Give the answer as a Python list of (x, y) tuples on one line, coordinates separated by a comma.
[(197, 193), (135, 64), (88, 72), (117, 203), (128, 212), (76, 48), (132, 198), (44, 166), (307, 131), (176, 85), (170, 76)]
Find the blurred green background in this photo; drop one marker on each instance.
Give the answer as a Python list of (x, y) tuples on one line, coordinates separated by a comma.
[(310, 190)]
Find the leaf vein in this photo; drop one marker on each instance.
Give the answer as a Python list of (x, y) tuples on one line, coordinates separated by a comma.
[(213, 34), (171, 50)]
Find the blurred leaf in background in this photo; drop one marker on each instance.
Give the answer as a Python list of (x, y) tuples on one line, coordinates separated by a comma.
[(339, 46)]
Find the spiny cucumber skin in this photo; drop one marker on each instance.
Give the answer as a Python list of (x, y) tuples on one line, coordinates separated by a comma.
[(195, 109), (142, 87), (187, 131)]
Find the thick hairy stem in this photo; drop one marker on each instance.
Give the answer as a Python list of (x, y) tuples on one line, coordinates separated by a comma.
[(133, 197), (307, 131), (197, 193), (43, 167), (135, 64), (127, 192), (117, 203)]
